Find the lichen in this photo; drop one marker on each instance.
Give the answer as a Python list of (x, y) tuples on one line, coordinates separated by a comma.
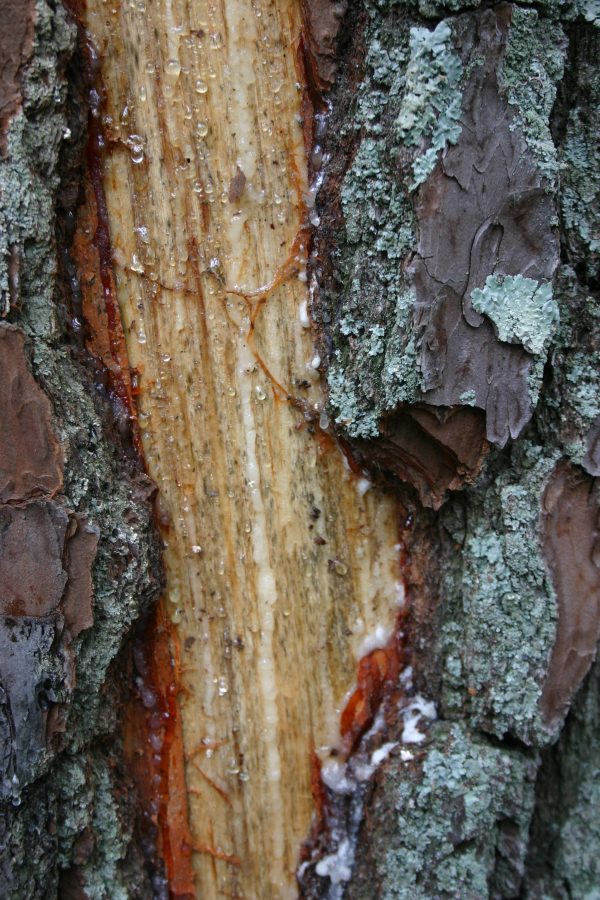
[(500, 620), (521, 309), (29, 176), (343, 396), (468, 398), (532, 66), (388, 354), (374, 361), (431, 105), (102, 874), (441, 825)]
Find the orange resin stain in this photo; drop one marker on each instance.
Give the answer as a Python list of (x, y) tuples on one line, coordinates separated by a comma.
[(154, 747), (377, 679), (92, 250)]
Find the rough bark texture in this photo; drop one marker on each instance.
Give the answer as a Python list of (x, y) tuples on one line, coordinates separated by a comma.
[(79, 558), (458, 271), (458, 311)]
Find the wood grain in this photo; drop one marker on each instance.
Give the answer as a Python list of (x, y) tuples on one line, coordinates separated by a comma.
[(279, 561)]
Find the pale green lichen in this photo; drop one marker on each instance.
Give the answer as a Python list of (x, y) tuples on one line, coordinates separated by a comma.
[(373, 363), (441, 828), (500, 616), (521, 309), (103, 874), (532, 67), (344, 395), (29, 176), (388, 357), (431, 105), (401, 375), (590, 10)]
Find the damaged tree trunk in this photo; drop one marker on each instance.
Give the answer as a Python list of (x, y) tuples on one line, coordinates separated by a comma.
[(299, 389)]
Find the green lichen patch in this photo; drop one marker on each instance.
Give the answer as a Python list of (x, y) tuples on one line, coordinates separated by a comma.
[(29, 176), (521, 309), (500, 607), (373, 364), (431, 106), (387, 360), (452, 822), (532, 66)]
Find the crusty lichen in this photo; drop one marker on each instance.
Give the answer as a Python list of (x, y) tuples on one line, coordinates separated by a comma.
[(29, 176), (452, 821), (500, 612), (393, 363), (371, 353), (431, 105), (532, 66)]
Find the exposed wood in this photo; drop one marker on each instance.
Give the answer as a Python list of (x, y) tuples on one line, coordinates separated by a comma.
[(283, 567)]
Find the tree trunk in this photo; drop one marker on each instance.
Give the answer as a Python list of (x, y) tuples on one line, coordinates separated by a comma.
[(300, 589)]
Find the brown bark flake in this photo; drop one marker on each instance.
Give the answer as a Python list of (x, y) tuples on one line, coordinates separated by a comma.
[(572, 550), (485, 209), (16, 41), (30, 456)]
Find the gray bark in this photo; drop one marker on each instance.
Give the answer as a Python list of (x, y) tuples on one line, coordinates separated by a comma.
[(80, 556)]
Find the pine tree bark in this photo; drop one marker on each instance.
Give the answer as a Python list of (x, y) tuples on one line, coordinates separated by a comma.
[(299, 332)]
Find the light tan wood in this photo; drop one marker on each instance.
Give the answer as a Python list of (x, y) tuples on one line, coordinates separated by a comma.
[(207, 193)]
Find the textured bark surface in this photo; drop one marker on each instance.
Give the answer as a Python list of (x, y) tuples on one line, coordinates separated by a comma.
[(79, 558), (454, 302), (442, 283)]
